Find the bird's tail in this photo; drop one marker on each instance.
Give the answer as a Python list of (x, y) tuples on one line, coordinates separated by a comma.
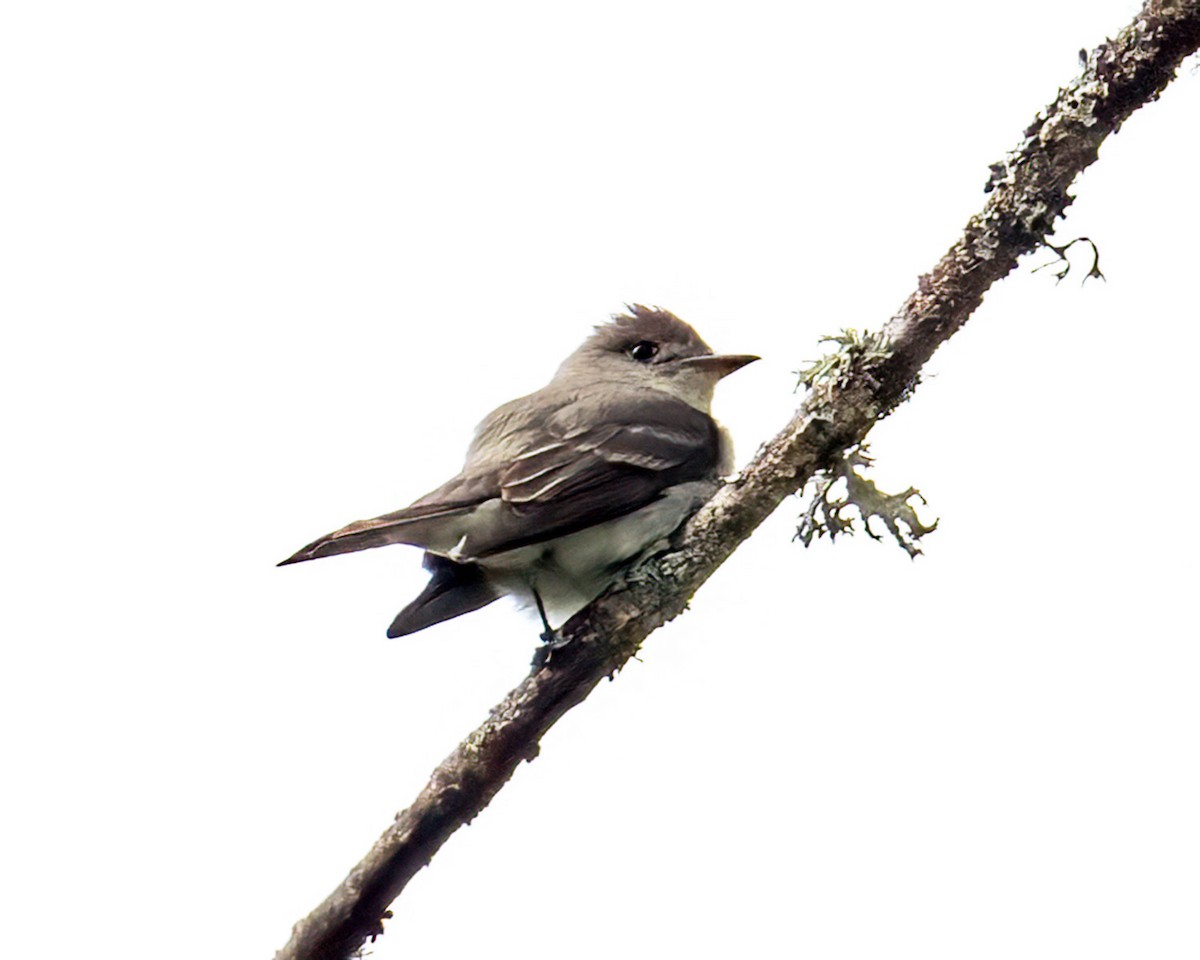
[(454, 589)]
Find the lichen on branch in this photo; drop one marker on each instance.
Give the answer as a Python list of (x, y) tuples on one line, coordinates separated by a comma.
[(823, 517), (1064, 264), (856, 349)]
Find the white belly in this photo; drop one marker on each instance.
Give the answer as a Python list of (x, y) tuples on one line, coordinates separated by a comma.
[(569, 572)]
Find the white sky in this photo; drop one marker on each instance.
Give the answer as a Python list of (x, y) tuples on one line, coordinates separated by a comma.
[(266, 264)]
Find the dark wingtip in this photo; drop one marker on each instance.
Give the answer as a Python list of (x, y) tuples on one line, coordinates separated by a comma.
[(310, 551)]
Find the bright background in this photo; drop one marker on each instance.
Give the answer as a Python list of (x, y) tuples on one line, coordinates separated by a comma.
[(266, 264)]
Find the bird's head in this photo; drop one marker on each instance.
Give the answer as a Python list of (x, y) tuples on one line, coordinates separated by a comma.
[(653, 348)]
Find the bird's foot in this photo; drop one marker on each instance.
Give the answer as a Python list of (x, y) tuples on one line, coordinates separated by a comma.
[(552, 640)]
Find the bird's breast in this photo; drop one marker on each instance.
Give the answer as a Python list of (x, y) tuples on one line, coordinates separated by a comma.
[(569, 572)]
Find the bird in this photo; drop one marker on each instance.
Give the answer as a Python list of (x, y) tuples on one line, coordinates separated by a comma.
[(565, 489)]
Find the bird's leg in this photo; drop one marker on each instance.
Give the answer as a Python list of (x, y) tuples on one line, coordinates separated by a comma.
[(549, 636), (551, 639)]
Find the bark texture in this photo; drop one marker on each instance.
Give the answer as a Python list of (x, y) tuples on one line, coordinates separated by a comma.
[(1028, 192)]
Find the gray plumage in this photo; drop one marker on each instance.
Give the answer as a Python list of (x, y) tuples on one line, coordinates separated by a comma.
[(564, 487)]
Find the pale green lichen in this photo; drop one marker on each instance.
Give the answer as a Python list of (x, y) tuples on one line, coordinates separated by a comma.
[(824, 515), (855, 348)]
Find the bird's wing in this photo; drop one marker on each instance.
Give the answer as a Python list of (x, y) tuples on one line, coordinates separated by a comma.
[(425, 524), (590, 456), (598, 458)]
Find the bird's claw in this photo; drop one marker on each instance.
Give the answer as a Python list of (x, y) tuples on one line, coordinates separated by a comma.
[(551, 640)]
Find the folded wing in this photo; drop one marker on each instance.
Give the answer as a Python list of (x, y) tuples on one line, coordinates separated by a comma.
[(429, 522), (598, 455), (597, 461)]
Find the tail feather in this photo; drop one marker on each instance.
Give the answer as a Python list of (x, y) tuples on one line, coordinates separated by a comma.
[(454, 589)]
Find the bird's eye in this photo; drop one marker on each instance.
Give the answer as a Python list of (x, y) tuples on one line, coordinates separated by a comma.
[(644, 351)]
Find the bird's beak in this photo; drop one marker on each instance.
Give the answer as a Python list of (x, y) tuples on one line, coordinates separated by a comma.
[(722, 364)]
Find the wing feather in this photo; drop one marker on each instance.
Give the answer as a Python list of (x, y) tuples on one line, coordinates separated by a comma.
[(564, 461), (607, 459)]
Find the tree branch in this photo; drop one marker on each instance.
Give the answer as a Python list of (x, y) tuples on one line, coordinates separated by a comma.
[(1028, 192)]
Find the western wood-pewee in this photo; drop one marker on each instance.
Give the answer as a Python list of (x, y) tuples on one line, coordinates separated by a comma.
[(565, 488)]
